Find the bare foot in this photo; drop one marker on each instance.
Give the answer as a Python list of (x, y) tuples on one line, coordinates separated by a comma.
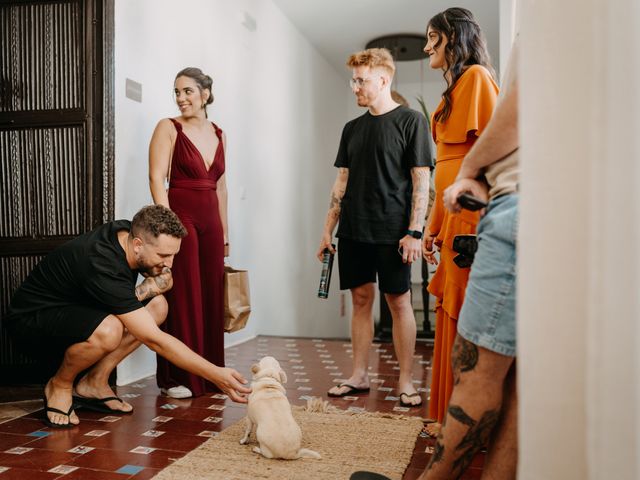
[(352, 385), (85, 388), (433, 429), (59, 397)]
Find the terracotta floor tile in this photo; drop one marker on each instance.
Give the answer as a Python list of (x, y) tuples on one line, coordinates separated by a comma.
[(412, 473), (24, 474), (36, 459), (8, 440), (124, 442), (146, 474), (60, 441), (111, 460), (22, 425), (302, 358), (87, 474)]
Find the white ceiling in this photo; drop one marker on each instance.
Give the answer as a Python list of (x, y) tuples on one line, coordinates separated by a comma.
[(338, 28)]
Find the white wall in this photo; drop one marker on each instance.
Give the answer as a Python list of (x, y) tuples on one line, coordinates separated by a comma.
[(282, 107), (507, 30), (578, 333)]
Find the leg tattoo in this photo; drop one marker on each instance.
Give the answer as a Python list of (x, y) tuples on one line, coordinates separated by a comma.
[(438, 451), (475, 438), (460, 415), (464, 357)]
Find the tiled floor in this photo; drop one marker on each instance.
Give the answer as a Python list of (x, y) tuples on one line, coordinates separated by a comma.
[(162, 429)]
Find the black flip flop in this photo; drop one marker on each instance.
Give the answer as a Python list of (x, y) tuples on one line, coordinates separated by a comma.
[(49, 423), (409, 404), (352, 390), (362, 475), (99, 405)]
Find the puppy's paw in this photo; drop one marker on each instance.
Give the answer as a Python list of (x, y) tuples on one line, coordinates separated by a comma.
[(244, 440)]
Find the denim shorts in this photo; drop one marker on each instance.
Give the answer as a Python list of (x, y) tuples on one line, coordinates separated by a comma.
[(488, 315)]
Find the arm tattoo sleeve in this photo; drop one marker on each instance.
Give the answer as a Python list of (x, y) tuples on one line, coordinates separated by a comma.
[(420, 196), (144, 291), (338, 191), (335, 204), (162, 282)]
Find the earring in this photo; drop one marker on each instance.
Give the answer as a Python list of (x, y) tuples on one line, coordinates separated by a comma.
[(204, 105)]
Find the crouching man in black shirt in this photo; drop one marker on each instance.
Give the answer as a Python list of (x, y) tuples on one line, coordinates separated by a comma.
[(82, 299)]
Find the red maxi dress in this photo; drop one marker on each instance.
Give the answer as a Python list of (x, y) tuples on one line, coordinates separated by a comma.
[(196, 308)]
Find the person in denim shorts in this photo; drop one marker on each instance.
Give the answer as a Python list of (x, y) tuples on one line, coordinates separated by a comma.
[(483, 404)]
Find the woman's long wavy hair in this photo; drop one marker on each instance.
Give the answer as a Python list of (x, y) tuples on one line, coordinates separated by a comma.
[(466, 46)]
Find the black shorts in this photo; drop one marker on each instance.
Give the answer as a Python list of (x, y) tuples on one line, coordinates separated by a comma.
[(360, 262), (54, 329)]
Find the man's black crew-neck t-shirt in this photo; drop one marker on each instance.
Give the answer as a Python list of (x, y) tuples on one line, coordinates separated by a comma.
[(89, 271), (380, 151)]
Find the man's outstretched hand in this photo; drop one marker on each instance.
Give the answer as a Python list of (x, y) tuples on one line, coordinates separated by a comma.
[(232, 383)]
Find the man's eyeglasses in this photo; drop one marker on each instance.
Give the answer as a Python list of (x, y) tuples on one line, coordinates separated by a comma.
[(358, 82)]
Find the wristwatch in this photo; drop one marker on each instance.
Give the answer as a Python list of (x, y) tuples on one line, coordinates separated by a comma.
[(415, 234)]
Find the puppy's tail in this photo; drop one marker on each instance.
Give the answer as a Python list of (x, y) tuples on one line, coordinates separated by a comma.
[(306, 453)]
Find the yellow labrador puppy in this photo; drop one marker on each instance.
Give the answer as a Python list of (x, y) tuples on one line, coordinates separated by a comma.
[(278, 434)]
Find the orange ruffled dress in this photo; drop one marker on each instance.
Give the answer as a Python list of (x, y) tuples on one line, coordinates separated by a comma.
[(472, 99)]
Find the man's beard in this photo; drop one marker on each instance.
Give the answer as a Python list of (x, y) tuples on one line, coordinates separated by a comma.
[(146, 269)]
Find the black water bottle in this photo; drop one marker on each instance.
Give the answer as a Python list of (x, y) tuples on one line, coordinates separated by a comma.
[(325, 275)]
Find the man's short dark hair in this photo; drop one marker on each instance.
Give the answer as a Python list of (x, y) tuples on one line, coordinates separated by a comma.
[(157, 220)]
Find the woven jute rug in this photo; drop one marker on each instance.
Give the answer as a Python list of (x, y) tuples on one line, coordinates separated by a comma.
[(347, 441)]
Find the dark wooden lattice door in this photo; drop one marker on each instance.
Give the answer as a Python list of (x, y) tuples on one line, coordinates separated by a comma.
[(55, 140)]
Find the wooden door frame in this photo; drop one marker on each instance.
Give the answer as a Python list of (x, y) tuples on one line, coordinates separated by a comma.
[(100, 138), (99, 143)]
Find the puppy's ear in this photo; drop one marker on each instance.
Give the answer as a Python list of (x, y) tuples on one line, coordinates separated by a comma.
[(283, 377), (255, 368)]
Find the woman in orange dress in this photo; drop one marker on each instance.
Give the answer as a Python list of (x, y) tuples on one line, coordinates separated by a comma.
[(456, 45)]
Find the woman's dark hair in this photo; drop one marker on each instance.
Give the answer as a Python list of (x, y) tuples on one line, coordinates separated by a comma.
[(203, 81), (466, 46)]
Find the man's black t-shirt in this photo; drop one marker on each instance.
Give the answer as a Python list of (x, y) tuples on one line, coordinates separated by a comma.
[(89, 270), (380, 151)]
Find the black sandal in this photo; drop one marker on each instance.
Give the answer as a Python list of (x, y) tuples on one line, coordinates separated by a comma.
[(409, 404), (49, 423), (100, 405), (362, 475)]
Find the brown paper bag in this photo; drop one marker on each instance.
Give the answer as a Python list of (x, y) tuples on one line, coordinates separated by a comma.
[(237, 302)]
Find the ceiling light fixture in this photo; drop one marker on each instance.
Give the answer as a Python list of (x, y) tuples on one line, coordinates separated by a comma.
[(404, 46)]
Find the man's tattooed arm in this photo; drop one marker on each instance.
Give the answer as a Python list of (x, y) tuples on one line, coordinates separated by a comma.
[(335, 202), (154, 286), (144, 291), (420, 197)]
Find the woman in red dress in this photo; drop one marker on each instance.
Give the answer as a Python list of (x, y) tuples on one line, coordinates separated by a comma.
[(188, 151)]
